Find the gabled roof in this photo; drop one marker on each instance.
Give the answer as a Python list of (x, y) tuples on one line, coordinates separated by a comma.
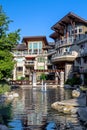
[(67, 19), (54, 35), (20, 47), (34, 38)]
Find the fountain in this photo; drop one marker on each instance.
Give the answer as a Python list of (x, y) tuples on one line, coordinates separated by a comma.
[(43, 87)]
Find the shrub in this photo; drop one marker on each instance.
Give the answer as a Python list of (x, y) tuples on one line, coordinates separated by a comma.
[(43, 76), (4, 87), (74, 81), (5, 113)]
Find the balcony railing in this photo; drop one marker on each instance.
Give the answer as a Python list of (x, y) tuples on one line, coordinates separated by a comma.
[(79, 69), (64, 54), (66, 41), (81, 38), (27, 53), (29, 63), (83, 52), (50, 52), (84, 70), (70, 56)]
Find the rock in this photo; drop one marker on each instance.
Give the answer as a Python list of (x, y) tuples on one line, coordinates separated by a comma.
[(60, 108), (54, 105), (70, 106), (74, 115), (67, 109), (74, 110), (67, 86), (75, 93), (3, 127), (57, 107), (15, 95), (82, 114)]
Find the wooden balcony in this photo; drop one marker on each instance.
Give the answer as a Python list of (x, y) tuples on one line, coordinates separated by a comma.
[(29, 63), (66, 56), (65, 42)]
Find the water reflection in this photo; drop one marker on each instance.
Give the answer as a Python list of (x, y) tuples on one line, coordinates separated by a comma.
[(34, 106)]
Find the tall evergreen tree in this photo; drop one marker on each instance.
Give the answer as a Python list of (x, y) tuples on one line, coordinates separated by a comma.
[(7, 41)]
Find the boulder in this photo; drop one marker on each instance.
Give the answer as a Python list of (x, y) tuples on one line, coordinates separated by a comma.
[(3, 127), (75, 93), (70, 106), (67, 109)]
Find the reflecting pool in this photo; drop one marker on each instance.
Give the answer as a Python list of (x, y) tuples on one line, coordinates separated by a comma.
[(33, 107)]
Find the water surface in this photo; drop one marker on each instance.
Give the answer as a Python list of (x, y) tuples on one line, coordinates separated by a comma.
[(34, 106)]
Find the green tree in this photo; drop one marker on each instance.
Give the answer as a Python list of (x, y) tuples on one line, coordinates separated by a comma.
[(75, 80), (7, 41)]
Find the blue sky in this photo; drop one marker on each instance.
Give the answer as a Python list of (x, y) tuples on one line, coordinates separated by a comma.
[(36, 17)]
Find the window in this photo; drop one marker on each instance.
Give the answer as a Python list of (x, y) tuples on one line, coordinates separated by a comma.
[(20, 60), (30, 51), (40, 45), (76, 31), (40, 68), (72, 32), (80, 30), (35, 51), (40, 51), (30, 45), (78, 60), (35, 45), (41, 59), (19, 68), (85, 59)]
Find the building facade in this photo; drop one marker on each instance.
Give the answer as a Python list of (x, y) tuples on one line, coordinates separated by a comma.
[(31, 58), (67, 54), (70, 37)]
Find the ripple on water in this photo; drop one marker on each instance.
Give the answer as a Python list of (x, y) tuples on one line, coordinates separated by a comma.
[(35, 106)]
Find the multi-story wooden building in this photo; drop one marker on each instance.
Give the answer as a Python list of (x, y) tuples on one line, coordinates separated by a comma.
[(67, 52), (70, 37), (31, 58)]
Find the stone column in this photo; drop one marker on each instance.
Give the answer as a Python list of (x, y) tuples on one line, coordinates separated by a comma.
[(61, 79), (23, 71), (56, 78), (14, 73), (34, 78), (68, 70), (30, 77)]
